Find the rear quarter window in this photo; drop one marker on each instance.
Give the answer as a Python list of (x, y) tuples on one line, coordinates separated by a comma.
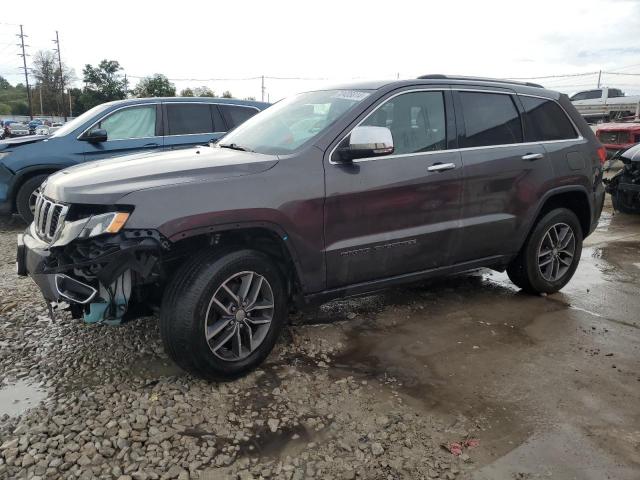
[(490, 119), (545, 120), (235, 115)]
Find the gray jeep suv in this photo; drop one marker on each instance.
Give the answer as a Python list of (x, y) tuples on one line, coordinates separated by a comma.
[(326, 194)]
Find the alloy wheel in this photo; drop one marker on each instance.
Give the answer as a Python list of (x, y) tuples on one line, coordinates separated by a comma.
[(556, 251), (239, 316)]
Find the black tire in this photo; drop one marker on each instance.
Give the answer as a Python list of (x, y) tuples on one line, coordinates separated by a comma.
[(187, 299), (525, 272), (24, 195)]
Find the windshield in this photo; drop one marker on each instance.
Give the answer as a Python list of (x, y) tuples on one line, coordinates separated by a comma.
[(287, 125), (77, 122)]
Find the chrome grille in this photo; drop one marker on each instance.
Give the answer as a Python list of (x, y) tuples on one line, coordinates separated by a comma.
[(48, 218)]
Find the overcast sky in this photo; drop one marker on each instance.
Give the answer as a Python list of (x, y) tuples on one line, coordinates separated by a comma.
[(334, 40)]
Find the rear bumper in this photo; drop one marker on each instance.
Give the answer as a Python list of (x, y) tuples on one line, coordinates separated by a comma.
[(598, 205)]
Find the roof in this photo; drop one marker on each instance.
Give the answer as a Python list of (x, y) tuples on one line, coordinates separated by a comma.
[(619, 126), (437, 79), (230, 101)]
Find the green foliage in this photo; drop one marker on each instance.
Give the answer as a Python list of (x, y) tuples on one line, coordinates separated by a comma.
[(15, 98), (46, 95), (227, 94), (5, 109), (187, 92), (203, 92), (103, 83), (157, 85)]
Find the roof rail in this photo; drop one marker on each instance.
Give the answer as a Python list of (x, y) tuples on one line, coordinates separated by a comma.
[(439, 76)]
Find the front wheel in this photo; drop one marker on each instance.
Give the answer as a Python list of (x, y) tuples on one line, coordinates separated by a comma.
[(26, 197), (550, 255), (222, 313)]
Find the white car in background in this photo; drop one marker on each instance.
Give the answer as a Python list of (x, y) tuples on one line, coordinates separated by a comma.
[(43, 130), (19, 129), (55, 126)]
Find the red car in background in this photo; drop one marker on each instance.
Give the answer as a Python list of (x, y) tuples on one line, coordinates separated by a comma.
[(618, 136)]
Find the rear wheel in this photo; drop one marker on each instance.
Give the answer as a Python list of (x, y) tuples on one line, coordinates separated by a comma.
[(550, 255), (222, 313), (26, 197)]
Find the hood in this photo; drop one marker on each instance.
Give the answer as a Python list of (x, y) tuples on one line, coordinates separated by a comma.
[(632, 153), (17, 141), (104, 182)]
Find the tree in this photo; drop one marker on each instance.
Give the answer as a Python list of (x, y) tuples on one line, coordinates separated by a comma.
[(103, 83), (47, 88), (5, 109), (187, 92), (227, 94), (203, 92), (4, 84), (157, 85)]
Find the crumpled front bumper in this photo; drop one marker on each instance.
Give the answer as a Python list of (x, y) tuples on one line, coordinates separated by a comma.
[(32, 254), (56, 270)]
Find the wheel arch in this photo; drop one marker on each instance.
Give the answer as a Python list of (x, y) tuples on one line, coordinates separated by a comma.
[(21, 176), (265, 237), (574, 198)]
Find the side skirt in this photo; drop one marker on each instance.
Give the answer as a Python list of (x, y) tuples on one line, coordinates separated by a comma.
[(497, 262)]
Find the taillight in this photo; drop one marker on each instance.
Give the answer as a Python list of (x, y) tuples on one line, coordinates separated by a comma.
[(602, 153)]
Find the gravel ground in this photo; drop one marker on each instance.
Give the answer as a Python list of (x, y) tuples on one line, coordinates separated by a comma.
[(369, 388), (108, 403)]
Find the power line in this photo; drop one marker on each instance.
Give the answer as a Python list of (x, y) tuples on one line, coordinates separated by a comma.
[(62, 104), (585, 74)]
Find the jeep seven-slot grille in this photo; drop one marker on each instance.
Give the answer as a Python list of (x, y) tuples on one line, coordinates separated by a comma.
[(48, 217)]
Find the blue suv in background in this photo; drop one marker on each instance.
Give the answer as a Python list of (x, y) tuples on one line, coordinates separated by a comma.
[(109, 130)]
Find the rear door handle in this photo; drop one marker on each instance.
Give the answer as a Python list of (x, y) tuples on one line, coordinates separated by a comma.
[(151, 145), (532, 156), (441, 167)]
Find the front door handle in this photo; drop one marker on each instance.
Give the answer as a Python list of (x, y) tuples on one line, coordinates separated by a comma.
[(441, 167), (532, 156)]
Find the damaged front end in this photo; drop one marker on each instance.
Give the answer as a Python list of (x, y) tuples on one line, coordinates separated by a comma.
[(84, 260)]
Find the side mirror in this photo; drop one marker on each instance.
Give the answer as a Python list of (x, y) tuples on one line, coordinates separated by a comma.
[(96, 136), (365, 142)]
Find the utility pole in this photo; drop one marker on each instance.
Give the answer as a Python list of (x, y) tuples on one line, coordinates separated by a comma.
[(41, 109), (599, 77), (70, 109), (62, 103), (26, 72), (263, 88)]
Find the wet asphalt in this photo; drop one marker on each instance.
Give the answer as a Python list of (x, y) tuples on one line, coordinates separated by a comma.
[(551, 382)]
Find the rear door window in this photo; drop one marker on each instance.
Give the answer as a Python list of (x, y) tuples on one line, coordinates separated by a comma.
[(545, 120), (235, 115), (490, 119), (189, 118), (416, 120)]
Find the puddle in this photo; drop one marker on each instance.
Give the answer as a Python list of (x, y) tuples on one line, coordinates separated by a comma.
[(17, 398)]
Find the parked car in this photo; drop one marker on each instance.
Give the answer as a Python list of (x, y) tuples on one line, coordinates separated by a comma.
[(55, 126), (19, 129), (624, 186), (389, 182), (606, 104), (42, 130), (34, 124), (109, 130), (618, 136)]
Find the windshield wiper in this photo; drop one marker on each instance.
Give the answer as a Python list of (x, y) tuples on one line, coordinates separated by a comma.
[(234, 146)]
